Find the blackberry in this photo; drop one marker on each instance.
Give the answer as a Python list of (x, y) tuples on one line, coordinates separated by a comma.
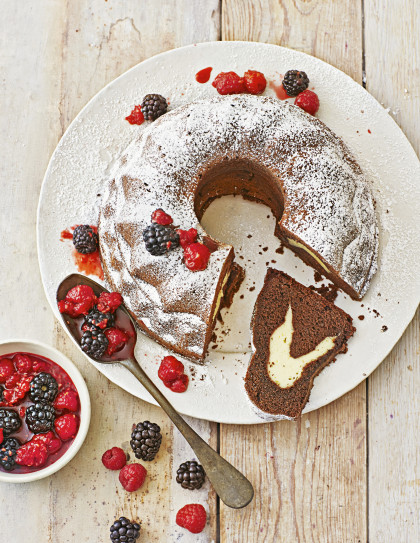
[(159, 239), (190, 475), (145, 440), (1, 394), (40, 417), (96, 319), (85, 239), (9, 421), (43, 388), (94, 343), (8, 451), (294, 82), (123, 530), (153, 106)]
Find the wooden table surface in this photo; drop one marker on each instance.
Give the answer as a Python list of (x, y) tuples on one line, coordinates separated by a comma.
[(349, 472)]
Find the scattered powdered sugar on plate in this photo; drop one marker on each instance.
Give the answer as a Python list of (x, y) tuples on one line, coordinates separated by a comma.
[(84, 159)]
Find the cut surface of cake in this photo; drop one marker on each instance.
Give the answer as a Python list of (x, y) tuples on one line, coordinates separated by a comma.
[(258, 147), (296, 333)]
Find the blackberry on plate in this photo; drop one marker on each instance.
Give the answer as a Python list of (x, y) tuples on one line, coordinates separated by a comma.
[(94, 343), (153, 106), (9, 421), (190, 475), (96, 319), (8, 451), (85, 239), (145, 440), (294, 82), (43, 388), (159, 239), (124, 531), (40, 417)]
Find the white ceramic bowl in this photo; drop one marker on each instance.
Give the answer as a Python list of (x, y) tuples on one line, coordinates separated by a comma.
[(35, 347)]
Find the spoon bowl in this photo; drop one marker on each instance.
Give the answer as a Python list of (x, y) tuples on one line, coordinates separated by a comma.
[(232, 487)]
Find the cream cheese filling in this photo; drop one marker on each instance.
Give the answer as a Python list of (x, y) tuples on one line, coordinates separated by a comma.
[(219, 297), (282, 368), (313, 255)]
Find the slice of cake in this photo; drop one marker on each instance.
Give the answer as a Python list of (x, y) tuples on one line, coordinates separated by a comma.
[(296, 333)]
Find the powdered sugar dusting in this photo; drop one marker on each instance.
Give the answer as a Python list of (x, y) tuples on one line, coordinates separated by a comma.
[(327, 204)]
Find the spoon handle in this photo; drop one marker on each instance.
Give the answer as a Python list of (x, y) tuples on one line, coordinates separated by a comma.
[(231, 486)]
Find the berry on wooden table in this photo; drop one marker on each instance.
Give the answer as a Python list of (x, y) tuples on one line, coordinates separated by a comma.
[(132, 477), (145, 440), (190, 475), (124, 531), (114, 458), (193, 517)]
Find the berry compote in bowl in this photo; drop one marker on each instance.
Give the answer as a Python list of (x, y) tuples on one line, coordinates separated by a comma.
[(44, 411)]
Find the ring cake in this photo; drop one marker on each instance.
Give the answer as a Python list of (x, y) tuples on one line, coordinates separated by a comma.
[(260, 148), (296, 333)]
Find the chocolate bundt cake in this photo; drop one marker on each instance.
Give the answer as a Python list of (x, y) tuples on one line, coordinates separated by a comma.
[(258, 147)]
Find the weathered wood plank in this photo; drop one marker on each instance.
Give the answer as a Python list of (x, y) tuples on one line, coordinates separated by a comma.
[(392, 76), (61, 54), (310, 476)]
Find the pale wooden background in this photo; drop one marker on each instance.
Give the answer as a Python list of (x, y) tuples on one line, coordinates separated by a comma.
[(346, 473)]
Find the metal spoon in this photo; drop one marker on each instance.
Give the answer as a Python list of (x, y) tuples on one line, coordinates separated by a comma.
[(231, 486)]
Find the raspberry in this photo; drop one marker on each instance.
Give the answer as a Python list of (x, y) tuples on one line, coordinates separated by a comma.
[(160, 217), (49, 440), (18, 385), (255, 82), (40, 366), (114, 458), (78, 301), (170, 369), (196, 256), (66, 426), (23, 363), (6, 369), (187, 237), (32, 455), (193, 517), (132, 477), (116, 340), (229, 83), (308, 101), (109, 302), (67, 399), (179, 385), (136, 116)]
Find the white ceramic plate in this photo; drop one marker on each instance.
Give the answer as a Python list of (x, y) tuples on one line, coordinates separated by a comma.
[(81, 162)]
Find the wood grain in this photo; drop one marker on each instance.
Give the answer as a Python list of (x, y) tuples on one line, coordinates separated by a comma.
[(310, 475), (55, 57), (392, 76)]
